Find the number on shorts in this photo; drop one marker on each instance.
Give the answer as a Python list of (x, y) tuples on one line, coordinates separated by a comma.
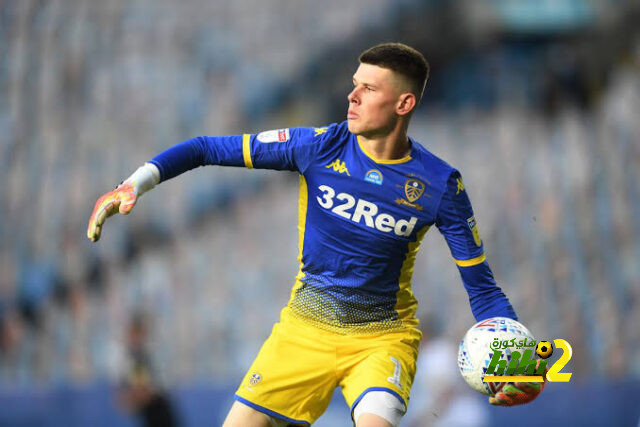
[(395, 379)]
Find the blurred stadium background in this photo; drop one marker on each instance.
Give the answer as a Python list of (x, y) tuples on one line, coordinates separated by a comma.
[(542, 97)]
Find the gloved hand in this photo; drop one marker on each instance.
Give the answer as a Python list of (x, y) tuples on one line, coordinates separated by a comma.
[(518, 393), (122, 200)]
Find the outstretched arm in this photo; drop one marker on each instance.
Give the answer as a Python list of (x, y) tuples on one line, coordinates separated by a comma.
[(280, 149), (190, 154)]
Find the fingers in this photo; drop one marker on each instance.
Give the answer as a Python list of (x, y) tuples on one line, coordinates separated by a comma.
[(127, 197), (499, 400), (516, 394), (509, 391), (93, 229), (104, 208), (122, 200), (529, 388), (505, 396), (126, 206)]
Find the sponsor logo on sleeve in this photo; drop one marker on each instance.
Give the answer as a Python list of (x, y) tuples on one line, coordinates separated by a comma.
[(275, 135), (474, 230)]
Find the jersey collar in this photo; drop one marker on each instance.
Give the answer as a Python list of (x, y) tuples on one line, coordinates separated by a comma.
[(381, 161)]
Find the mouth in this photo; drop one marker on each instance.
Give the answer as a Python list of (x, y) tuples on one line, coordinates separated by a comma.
[(351, 115)]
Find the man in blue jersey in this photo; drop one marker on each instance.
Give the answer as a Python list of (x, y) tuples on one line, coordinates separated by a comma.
[(368, 195)]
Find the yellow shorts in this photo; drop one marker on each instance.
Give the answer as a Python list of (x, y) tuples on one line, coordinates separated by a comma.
[(299, 366)]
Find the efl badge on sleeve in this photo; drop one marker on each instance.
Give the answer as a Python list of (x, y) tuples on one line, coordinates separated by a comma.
[(413, 189), (276, 135), (474, 230)]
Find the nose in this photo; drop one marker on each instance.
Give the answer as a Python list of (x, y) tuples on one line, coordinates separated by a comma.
[(353, 96)]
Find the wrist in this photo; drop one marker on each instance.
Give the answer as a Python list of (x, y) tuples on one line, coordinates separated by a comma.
[(144, 178)]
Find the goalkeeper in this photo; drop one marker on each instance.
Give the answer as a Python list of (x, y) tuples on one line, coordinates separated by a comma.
[(368, 195)]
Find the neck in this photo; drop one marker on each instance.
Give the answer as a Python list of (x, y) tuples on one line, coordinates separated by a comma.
[(394, 145)]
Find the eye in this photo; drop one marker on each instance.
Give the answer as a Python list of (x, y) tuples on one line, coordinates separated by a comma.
[(368, 89)]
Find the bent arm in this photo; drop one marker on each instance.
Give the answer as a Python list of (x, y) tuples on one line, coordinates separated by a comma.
[(485, 296), (457, 224)]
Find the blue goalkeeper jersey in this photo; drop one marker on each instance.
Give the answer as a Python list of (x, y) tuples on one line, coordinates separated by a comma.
[(360, 222)]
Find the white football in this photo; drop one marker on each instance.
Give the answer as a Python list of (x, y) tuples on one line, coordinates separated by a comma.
[(475, 352)]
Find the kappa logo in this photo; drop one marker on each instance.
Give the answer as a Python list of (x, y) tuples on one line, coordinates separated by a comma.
[(319, 131), (338, 166), (460, 185)]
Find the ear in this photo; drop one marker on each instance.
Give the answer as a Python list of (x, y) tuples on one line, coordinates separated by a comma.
[(406, 103)]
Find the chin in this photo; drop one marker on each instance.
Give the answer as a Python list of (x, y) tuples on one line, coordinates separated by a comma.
[(354, 128)]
